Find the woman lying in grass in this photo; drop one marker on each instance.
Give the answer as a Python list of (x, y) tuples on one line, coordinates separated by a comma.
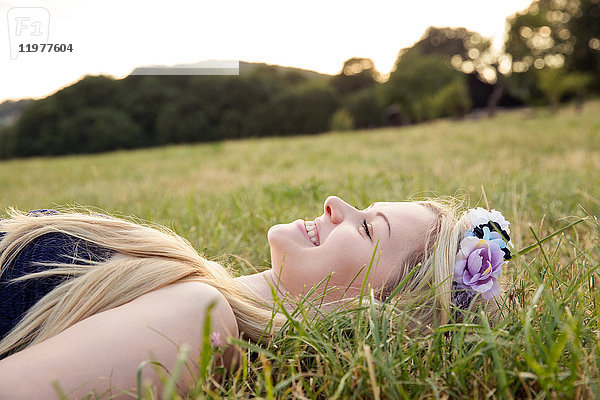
[(111, 293)]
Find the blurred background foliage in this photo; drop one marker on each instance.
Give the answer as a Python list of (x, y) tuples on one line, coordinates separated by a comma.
[(551, 54)]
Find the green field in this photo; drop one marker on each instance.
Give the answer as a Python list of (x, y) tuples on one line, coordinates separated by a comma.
[(540, 168)]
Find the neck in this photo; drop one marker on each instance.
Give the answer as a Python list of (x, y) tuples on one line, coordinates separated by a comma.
[(261, 283)]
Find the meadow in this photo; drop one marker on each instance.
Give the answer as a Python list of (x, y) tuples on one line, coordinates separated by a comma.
[(539, 167)]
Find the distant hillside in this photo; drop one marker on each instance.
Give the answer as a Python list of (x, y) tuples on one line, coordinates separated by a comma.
[(11, 110), (244, 68)]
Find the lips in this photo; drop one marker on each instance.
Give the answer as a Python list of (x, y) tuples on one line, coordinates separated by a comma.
[(312, 232)]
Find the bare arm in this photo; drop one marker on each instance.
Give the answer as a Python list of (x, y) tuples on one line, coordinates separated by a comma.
[(105, 350)]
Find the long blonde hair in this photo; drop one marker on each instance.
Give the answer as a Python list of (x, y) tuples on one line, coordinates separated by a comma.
[(428, 292), (147, 257)]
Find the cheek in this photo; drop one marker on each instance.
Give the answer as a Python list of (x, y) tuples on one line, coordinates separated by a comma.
[(347, 260), (355, 262), (385, 268)]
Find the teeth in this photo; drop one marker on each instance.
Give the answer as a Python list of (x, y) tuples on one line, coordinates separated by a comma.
[(311, 230)]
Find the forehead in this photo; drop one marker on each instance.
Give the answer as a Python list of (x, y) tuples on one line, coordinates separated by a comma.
[(405, 217), (400, 207)]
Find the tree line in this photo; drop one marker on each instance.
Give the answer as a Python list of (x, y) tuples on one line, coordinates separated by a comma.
[(552, 53)]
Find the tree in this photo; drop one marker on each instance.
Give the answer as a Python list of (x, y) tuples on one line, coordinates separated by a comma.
[(7, 141), (416, 81), (93, 130), (89, 92), (555, 83), (143, 97), (585, 26), (183, 121), (357, 74), (305, 108), (37, 129), (341, 120), (556, 33), (366, 108), (465, 50), (472, 54)]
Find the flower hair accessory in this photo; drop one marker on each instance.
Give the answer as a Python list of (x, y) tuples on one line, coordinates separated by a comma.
[(484, 249)]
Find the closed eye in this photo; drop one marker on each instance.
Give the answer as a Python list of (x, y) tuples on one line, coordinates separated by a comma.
[(364, 224)]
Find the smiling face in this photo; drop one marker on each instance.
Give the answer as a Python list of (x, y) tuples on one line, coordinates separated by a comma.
[(342, 242)]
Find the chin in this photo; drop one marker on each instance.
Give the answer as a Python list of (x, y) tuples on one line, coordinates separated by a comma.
[(276, 235), (284, 246), (277, 238), (283, 235)]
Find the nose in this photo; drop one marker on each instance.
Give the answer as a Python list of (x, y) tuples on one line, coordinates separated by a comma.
[(337, 209)]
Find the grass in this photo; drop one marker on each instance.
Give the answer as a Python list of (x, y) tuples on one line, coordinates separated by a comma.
[(541, 170)]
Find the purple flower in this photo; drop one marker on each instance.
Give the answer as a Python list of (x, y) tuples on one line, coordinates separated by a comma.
[(215, 339), (478, 266)]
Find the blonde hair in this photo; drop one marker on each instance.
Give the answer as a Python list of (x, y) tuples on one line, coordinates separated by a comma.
[(145, 258), (148, 257), (429, 289)]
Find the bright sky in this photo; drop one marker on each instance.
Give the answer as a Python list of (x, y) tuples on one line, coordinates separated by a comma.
[(113, 37)]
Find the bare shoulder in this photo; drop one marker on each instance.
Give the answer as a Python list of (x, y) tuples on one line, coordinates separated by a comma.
[(194, 299), (106, 350)]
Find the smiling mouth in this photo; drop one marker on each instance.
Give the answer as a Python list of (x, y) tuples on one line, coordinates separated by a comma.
[(313, 233)]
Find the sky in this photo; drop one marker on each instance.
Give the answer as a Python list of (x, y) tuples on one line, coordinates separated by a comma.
[(113, 37)]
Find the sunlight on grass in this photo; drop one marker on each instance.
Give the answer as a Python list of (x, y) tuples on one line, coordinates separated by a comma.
[(541, 171)]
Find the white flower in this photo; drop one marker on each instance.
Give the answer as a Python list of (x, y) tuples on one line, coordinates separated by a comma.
[(481, 216), (497, 216)]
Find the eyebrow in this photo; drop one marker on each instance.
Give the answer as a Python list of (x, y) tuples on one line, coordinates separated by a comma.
[(382, 215)]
